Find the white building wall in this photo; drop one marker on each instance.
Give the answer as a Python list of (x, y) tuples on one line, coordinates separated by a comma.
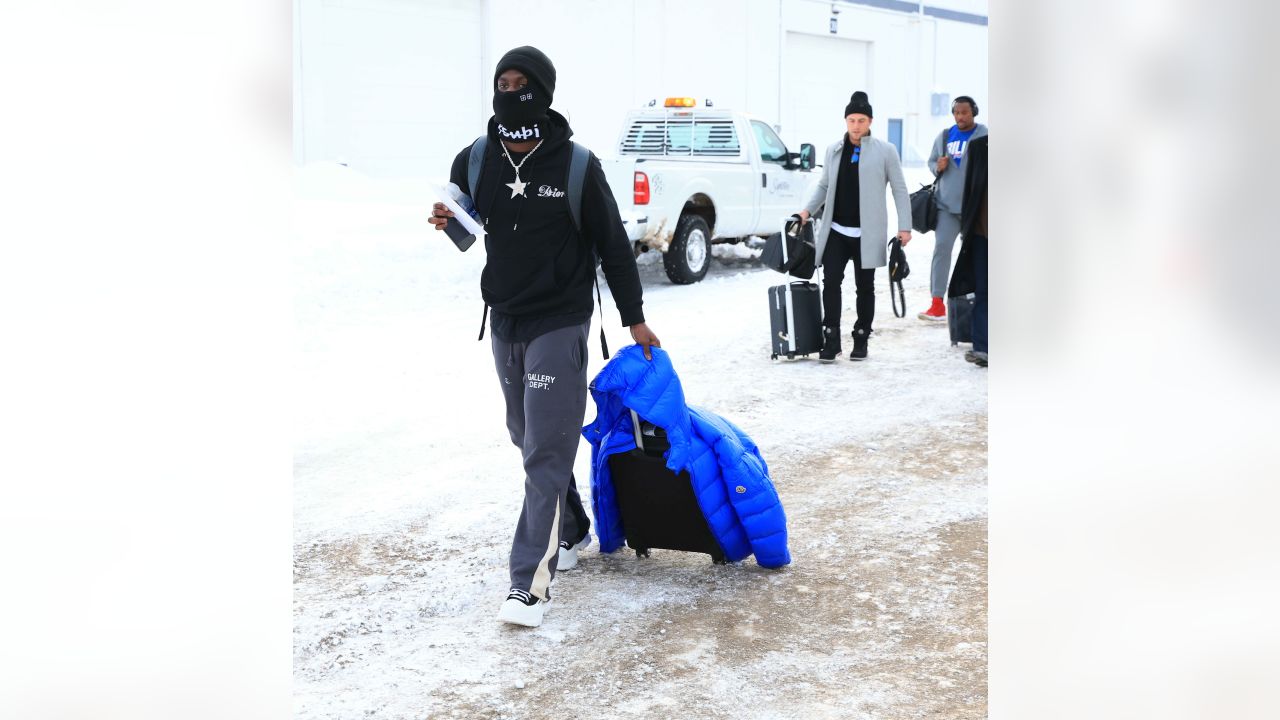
[(612, 56), (387, 86), (396, 87), (962, 66)]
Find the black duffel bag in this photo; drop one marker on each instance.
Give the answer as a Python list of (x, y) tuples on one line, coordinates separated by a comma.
[(924, 208), (792, 250), (898, 271)]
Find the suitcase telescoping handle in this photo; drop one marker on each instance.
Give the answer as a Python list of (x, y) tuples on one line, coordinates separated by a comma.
[(785, 222), (650, 439), (635, 424)]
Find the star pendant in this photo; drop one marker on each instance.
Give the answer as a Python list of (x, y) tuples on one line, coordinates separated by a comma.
[(517, 187)]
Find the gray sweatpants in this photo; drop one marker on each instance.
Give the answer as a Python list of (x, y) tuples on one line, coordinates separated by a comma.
[(944, 241), (544, 384)]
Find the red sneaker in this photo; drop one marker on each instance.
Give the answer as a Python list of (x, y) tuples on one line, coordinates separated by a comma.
[(936, 311)]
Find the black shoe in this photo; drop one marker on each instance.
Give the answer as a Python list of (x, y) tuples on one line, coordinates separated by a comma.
[(859, 351), (830, 345)]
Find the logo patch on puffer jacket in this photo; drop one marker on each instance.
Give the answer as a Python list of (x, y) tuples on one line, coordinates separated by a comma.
[(548, 191)]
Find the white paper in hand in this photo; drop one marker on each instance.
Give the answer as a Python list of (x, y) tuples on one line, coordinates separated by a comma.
[(462, 228)]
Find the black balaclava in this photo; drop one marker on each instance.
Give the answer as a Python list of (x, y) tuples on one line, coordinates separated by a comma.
[(858, 103), (522, 114)]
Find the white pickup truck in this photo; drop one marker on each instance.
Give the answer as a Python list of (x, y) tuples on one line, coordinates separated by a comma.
[(688, 176)]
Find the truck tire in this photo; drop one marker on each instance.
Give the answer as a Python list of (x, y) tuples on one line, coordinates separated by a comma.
[(689, 255)]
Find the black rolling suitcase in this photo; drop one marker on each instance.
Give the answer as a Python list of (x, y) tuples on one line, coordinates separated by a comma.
[(960, 319), (658, 507), (795, 319)]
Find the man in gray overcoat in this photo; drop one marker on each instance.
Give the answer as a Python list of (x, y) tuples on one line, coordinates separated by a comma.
[(850, 198)]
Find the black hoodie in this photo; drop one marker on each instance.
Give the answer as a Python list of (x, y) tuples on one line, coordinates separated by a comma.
[(539, 270)]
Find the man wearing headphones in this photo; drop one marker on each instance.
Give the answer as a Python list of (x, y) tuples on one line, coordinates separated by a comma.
[(945, 162)]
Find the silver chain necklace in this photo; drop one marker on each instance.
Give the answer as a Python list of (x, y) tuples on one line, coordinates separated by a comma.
[(517, 187)]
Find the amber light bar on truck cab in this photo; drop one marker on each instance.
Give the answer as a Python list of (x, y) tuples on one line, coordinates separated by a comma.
[(680, 102)]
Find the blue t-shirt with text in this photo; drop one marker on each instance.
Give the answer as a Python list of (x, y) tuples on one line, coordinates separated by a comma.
[(956, 142)]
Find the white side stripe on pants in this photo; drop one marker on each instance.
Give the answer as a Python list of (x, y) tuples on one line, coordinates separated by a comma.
[(542, 578)]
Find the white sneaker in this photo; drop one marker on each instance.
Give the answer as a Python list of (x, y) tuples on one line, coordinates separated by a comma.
[(521, 608), (568, 558)]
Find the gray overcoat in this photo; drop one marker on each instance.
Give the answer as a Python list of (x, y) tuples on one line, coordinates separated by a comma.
[(878, 166)]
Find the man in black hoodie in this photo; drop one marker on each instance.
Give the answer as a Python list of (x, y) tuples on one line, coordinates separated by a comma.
[(537, 279)]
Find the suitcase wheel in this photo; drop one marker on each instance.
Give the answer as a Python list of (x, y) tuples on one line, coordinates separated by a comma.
[(642, 552), (791, 356), (773, 356)]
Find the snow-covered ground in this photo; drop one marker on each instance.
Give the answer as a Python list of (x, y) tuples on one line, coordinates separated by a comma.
[(407, 488)]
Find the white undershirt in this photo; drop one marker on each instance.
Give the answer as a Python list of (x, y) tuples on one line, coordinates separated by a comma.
[(846, 231)]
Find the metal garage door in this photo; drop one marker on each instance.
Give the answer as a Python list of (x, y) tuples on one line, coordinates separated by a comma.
[(819, 75), (391, 87)]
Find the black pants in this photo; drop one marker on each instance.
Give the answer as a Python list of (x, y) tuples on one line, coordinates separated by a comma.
[(840, 250), (979, 256)]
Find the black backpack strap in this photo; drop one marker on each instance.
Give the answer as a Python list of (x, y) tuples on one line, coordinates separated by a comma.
[(604, 346), (475, 163), (578, 161)]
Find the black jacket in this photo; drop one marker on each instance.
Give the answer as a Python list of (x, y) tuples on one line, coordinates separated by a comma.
[(975, 183), (963, 281), (539, 270)]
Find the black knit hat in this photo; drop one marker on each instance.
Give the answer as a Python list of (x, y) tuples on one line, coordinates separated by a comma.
[(858, 103), (534, 64)]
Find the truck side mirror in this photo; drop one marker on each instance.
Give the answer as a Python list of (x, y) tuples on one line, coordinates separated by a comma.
[(806, 156)]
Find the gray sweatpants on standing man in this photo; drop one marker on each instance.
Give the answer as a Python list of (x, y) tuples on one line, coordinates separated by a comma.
[(544, 384), (944, 239)]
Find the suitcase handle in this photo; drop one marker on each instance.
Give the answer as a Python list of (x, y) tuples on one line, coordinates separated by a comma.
[(635, 425)]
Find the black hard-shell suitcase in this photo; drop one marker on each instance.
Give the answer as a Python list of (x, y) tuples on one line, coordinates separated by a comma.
[(795, 319), (658, 507), (960, 319)]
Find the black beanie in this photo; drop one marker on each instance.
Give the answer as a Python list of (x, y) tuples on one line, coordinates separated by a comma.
[(858, 103), (534, 64)]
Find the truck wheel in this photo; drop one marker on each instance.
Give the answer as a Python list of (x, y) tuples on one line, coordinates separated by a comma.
[(689, 255)]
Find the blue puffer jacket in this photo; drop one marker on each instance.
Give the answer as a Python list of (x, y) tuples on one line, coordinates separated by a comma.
[(730, 478)]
